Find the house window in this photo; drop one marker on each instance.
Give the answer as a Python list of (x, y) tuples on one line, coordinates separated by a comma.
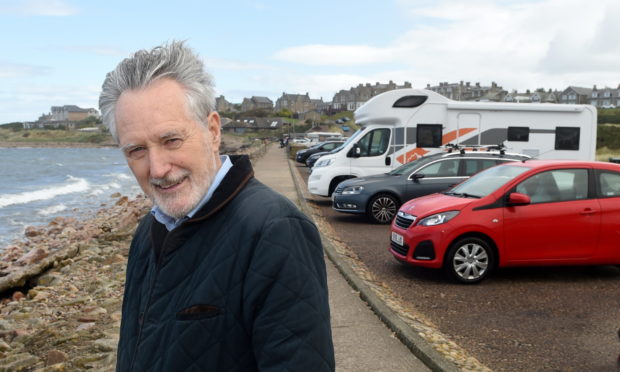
[(429, 135), (520, 134), (594, 94), (567, 138)]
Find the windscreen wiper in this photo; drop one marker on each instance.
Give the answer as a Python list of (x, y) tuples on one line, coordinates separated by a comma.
[(462, 194)]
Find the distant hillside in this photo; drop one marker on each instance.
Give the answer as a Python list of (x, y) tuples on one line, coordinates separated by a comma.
[(17, 135)]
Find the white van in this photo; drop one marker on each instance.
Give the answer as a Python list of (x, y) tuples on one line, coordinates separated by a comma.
[(401, 125), (317, 137)]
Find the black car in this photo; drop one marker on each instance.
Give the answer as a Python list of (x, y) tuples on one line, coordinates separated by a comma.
[(314, 157), (326, 146), (380, 196)]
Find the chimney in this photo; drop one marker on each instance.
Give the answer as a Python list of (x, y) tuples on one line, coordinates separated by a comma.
[(594, 87)]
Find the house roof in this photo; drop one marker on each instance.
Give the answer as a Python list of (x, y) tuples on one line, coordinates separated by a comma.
[(71, 108), (259, 99), (580, 90)]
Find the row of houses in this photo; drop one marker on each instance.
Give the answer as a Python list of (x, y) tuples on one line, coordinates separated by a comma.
[(601, 98), (353, 98), (306, 108)]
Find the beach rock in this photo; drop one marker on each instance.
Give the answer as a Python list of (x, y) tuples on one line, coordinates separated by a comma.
[(4, 346), (48, 279), (17, 295), (122, 201), (54, 357), (12, 253), (35, 255), (32, 231), (85, 326)]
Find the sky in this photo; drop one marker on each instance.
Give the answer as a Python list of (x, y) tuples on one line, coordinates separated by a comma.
[(57, 52)]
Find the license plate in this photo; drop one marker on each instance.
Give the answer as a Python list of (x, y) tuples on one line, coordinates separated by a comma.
[(397, 238)]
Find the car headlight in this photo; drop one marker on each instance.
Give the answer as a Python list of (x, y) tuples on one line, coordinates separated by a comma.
[(438, 219), (323, 163), (352, 190)]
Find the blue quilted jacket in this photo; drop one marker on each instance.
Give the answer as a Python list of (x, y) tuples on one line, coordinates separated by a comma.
[(240, 287)]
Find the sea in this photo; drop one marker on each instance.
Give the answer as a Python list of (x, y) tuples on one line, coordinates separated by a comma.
[(39, 184)]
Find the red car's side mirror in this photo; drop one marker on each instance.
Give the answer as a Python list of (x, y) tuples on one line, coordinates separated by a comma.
[(516, 198)]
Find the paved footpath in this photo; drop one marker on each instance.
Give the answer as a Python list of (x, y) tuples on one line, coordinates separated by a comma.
[(362, 342)]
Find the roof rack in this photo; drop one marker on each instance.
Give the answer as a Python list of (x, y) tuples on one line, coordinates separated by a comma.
[(450, 147)]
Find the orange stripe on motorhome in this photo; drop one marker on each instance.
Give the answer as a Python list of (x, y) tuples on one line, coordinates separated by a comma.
[(446, 138), (451, 136), (411, 155)]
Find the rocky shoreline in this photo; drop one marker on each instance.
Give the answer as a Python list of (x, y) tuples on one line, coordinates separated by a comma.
[(61, 289)]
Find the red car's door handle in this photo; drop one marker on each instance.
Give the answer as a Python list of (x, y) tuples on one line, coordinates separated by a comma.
[(588, 211)]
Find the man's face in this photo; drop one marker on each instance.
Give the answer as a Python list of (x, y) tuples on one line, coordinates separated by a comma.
[(173, 157)]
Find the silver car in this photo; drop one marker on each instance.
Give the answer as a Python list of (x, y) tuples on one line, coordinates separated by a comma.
[(380, 196)]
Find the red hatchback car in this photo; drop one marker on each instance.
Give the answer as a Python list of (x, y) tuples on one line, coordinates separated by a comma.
[(534, 212)]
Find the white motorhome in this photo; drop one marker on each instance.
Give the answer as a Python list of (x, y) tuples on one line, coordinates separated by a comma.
[(401, 125)]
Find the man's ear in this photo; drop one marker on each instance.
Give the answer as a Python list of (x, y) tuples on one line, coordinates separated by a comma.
[(215, 129)]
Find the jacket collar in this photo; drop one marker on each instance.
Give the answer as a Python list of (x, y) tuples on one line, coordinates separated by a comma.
[(234, 181)]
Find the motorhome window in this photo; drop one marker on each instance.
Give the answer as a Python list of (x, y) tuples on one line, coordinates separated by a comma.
[(521, 134), (429, 135), (374, 143), (410, 101), (567, 138)]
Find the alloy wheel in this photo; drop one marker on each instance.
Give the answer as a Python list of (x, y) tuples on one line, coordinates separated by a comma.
[(383, 208)]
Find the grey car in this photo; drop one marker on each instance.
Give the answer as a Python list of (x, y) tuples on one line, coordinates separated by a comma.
[(380, 196)]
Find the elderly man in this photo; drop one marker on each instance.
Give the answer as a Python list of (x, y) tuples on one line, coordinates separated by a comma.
[(224, 274)]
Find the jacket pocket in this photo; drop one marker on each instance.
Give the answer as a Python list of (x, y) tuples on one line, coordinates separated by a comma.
[(201, 311)]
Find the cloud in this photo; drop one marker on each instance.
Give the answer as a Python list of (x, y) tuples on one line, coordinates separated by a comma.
[(335, 55), (226, 64), (10, 70), (97, 50), (26, 103), (52, 8), (520, 45)]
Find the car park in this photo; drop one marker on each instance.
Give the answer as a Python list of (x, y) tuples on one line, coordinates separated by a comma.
[(529, 213), (326, 146), (379, 196)]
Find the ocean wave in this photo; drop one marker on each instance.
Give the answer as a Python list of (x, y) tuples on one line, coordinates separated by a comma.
[(100, 189), (76, 185), (53, 209), (120, 176)]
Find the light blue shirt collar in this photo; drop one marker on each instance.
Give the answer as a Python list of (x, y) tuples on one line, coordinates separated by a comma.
[(172, 223)]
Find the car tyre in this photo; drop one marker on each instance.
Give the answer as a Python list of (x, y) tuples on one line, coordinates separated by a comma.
[(382, 208), (469, 260)]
